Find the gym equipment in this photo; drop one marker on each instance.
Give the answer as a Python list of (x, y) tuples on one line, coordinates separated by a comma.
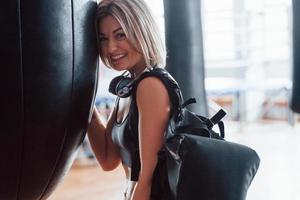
[(185, 60), (295, 98), (48, 79)]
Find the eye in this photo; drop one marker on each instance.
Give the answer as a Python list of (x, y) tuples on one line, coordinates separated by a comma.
[(102, 39), (120, 36)]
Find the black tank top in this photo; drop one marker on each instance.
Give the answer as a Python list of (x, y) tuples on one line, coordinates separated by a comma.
[(125, 135), (121, 136)]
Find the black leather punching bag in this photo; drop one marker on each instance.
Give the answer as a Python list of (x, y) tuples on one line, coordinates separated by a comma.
[(295, 100), (48, 71), (185, 60)]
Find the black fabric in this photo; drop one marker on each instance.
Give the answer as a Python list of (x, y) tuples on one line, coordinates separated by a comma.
[(160, 189), (125, 135), (200, 164), (118, 135), (171, 85), (160, 186)]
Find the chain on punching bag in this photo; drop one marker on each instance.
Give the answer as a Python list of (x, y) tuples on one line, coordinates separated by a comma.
[(295, 100), (47, 82)]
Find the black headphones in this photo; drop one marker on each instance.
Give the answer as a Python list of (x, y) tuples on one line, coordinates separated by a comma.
[(122, 85)]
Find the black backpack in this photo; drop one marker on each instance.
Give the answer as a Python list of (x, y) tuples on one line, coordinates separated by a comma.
[(199, 163)]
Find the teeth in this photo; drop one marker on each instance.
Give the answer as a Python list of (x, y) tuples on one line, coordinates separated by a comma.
[(117, 57)]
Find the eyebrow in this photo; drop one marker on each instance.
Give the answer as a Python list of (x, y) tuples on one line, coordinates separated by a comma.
[(114, 31), (120, 28)]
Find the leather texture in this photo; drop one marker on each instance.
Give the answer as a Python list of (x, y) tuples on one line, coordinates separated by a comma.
[(48, 79), (295, 98), (184, 41)]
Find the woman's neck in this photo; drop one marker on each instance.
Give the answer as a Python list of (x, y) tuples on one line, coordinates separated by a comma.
[(138, 69)]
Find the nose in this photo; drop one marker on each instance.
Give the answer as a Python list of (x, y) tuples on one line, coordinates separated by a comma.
[(111, 46)]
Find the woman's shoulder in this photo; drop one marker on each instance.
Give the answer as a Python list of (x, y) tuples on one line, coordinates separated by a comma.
[(152, 85), (158, 80), (152, 98), (156, 74)]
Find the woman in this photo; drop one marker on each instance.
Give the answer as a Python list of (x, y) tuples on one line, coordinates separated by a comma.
[(129, 40)]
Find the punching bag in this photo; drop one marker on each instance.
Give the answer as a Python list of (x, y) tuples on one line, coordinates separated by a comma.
[(185, 60), (48, 76), (295, 99)]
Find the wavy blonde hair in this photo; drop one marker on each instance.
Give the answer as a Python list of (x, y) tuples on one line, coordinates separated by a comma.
[(139, 27)]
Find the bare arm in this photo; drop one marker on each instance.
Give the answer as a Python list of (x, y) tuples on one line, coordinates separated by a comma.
[(154, 109), (106, 152)]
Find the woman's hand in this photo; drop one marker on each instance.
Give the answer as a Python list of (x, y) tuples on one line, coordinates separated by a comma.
[(142, 191)]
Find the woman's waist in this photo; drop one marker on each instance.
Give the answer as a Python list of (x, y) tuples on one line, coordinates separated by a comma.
[(128, 172), (130, 185)]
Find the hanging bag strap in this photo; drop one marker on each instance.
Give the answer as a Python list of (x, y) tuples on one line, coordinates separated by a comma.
[(176, 101)]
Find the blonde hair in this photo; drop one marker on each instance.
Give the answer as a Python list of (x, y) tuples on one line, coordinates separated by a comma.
[(139, 27)]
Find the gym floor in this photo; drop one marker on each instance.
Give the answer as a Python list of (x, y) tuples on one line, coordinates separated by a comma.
[(278, 177)]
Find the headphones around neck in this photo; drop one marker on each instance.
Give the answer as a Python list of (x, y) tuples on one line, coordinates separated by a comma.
[(122, 85)]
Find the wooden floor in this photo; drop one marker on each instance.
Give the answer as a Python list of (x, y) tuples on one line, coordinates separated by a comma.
[(86, 181), (278, 178)]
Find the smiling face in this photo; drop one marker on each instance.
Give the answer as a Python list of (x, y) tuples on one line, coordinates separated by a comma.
[(117, 49)]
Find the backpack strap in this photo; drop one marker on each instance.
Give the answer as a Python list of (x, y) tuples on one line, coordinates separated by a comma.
[(188, 102), (135, 166), (218, 116), (176, 99), (221, 128), (216, 119)]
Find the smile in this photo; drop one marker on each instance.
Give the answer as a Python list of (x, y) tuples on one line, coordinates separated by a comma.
[(117, 57)]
